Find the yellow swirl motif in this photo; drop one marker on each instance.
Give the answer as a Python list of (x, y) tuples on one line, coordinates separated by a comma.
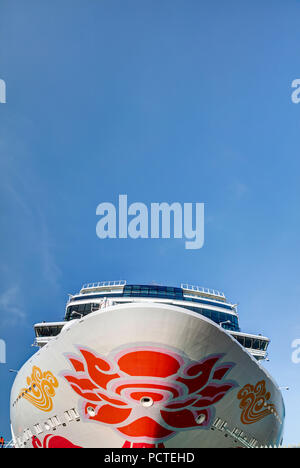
[(255, 403), (40, 390)]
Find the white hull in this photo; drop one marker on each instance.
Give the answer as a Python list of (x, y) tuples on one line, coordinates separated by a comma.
[(171, 349)]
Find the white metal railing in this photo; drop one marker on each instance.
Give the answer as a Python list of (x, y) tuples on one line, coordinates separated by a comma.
[(212, 292), (9, 444), (104, 284), (279, 447), (41, 341)]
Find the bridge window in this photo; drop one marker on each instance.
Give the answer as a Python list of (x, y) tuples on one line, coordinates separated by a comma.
[(157, 292), (252, 343), (48, 330), (217, 317), (75, 311)]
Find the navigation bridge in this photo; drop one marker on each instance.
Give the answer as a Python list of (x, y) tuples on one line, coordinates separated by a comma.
[(209, 303)]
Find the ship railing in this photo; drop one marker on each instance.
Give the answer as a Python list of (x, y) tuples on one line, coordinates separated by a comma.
[(41, 341), (212, 292), (104, 284), (278, 447), (10, 444)]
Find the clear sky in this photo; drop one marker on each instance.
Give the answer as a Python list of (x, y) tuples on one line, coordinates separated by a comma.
[(163, 100)]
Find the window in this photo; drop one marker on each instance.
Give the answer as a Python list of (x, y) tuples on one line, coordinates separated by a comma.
[(206, 313), (220, 424), (264, 345), (74, 312), (48, 330), (215, 316), (38, 429), (241, 340), (164, 292), (223, 317), (72, 415), (68, 416), (75, 414), (252, 343), (48, 425), (55, 421), (248, 342), (256, 344)]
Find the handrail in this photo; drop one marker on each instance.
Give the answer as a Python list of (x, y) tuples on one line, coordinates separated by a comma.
[(212, 292), (103, 284), (121, 283), (10, 444)]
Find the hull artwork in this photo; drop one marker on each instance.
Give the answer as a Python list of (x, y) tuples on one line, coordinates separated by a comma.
[(145, 375)]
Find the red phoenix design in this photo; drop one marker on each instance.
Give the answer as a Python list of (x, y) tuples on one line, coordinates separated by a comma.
[(148, 394), (51, 441)]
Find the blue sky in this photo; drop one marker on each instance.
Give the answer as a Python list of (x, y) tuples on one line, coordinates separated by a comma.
[(163, 100)]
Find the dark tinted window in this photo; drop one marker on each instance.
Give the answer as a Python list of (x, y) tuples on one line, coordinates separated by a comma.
[(164, 292), (46, 331), (252, 343)]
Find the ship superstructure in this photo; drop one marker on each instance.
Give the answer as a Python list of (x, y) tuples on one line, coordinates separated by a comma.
[(209, 303)]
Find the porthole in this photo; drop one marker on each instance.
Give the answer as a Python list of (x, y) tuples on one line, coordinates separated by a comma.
[(91, 411), (201, 419), (146, 402)]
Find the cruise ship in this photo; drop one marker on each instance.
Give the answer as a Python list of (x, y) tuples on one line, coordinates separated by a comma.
[(146, 366)]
